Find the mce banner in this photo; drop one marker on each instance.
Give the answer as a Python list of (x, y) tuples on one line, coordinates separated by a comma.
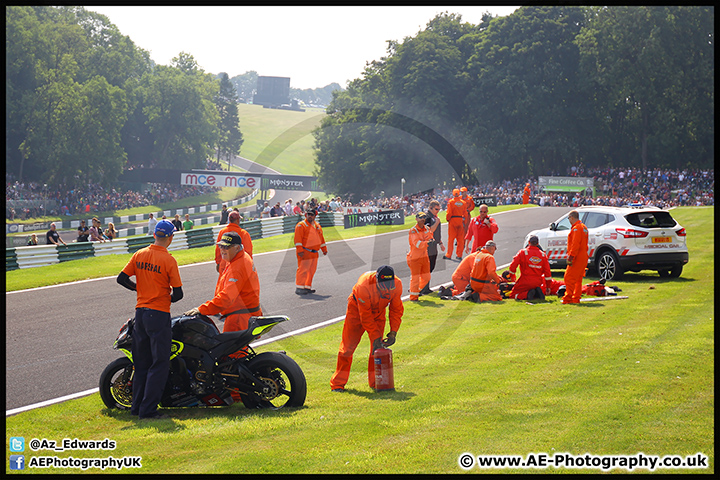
[(264, 182), (388, 217)]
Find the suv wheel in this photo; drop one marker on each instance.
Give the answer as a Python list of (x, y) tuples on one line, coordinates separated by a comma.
[(608, 265), (676, 271)]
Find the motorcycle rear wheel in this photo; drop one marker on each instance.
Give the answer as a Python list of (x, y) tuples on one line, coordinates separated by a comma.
[(283, 378), (116, 384)]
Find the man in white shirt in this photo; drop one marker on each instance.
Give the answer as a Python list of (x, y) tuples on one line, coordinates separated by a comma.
[(152, 221)]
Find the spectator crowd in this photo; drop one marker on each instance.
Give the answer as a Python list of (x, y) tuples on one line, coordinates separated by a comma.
[(30, 200), (663, 188)]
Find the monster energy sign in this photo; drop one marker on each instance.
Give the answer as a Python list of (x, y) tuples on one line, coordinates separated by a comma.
[(489, 201), (388, 217), (289, 182)]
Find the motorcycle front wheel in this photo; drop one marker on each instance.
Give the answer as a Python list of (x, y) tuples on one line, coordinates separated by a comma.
[(283, 381), (116, 384)]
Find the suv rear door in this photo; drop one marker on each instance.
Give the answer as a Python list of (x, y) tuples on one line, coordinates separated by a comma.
[(657, 231)]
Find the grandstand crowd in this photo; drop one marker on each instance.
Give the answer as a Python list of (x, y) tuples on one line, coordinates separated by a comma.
[(663, 188)]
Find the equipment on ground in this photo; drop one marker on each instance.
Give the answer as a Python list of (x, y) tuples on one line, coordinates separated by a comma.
[(208, 367), (384, 374)]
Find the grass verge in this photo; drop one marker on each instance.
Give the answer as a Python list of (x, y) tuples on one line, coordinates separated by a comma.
[(279, 139), (607, 378)]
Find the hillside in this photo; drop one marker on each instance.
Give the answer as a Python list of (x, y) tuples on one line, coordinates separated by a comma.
[(279, 139)]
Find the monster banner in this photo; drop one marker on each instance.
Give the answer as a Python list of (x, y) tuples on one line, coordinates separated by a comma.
[(388, 217)]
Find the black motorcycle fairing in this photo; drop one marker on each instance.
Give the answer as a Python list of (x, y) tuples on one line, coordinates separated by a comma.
[(203, 371)]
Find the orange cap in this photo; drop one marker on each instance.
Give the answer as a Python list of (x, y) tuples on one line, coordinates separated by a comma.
[(456, 192), (463, 189)]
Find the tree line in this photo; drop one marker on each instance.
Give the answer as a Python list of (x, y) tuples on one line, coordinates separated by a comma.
[(533, 93), (83, 102)]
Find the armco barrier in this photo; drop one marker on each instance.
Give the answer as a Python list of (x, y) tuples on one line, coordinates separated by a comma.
[(200, 237), (290, 222), (272, 226), (110, 248), (11, 260), (136, 243), (327, 219), (253, 227), (74, 251), (23, 257), (36, 256)]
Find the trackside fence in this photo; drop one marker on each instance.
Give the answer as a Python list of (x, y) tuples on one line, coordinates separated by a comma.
[(40, 255)]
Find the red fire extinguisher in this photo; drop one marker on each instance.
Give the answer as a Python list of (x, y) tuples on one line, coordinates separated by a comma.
[(384, 376)]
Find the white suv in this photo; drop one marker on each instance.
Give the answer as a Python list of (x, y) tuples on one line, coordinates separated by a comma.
[(620, 240)]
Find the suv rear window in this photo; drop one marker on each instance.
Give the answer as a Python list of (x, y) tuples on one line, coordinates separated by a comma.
[(651, 219)]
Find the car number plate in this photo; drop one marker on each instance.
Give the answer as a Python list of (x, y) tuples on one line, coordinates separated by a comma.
[(661, 240)]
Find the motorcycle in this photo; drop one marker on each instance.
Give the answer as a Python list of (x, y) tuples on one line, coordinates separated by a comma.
[(206, 366)]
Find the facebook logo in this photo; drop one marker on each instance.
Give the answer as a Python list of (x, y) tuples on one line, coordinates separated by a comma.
[(17, 462), (17, 444)]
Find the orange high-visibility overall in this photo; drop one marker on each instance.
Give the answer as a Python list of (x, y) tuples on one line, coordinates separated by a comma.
[(461, 276), (526, 194), (309, 239), (237, 294), (482, 276), (578, 249), (366, 313), (455, 214), (418, 260), (469, 206), (244, 236)]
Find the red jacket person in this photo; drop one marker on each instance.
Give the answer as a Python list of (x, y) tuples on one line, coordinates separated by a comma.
[(535, 274), (371, 295), (481, 230)]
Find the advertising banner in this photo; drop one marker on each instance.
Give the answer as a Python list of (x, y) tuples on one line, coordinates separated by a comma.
[(489, 201), (579, 183), (387, 217), (567, 184), (289, 182), (219, 179)]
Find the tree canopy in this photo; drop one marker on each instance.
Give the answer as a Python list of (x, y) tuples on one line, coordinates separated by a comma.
[(532, 93), (83, 102)]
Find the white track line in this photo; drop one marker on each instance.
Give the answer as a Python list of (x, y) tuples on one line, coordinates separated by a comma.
[(256, 344)]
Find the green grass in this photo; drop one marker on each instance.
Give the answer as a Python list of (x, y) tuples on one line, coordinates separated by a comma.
[(617, 377), (110, 265), (279, 139)]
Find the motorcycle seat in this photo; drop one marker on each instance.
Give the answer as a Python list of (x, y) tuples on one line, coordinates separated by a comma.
[(230, 336)]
